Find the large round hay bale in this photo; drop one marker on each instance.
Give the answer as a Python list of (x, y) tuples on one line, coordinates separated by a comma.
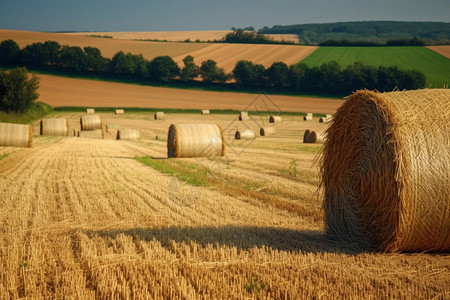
[(205, 111), (315, 137), (54, 127), (90, 111), (386, 171), (243, 116), (119, 112), (274, 119), (128, 134), (246, 134), (159, 115), (306, 136), (264, 131), (90, 122), (16, 135), (326, 119), (93, 134), (308, 117), (195, 140)]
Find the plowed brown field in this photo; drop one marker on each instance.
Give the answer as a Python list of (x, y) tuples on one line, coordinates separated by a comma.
[(442, 50), (60, 91), (226, 55), (83, 219)]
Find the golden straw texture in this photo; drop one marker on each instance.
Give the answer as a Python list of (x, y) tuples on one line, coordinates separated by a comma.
[(247, 134), (72, 132), (54, 127), (128, 134), (308, 117), (120, 112), (195, 140), (90, 122), (274, 119), (385, 171), (205, 112), (16, 135), (267, 131), (243, 116), (159, 115), (93, 134), (90, 111)]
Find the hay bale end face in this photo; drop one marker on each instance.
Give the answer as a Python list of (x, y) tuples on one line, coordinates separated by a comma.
[(54, 127), (243, 116), (128, 134), (119, 112), (274, 119), (316, 137), (159, 115), (72, 132), (247, 134), (385, 171), (325, 119), (90, 111), (265, 131), (90, 122), (308, 117), (16, 135), (195, 140), (306, 136)]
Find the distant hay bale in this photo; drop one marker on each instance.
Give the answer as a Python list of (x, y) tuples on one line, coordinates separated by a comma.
[(90, 122), (112, 127), (72, 132), (16, 135), (195, 140), (205, 111), (243, 116), (247, 134), (54, 127), (326, 119), (128, 134), (93, 134), (159, 115), (274, 119), (308, 117), (267, 131), (306, 136), (90, 111), (119, 112), (385, 171)]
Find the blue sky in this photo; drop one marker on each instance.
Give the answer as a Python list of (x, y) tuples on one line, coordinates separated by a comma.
[(141, 15)]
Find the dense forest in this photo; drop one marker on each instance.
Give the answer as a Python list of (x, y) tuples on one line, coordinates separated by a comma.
[(328, 78), (369, 31)]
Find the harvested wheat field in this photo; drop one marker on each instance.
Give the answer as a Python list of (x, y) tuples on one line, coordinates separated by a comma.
[(442, 50), (60, 91), (84, 219)]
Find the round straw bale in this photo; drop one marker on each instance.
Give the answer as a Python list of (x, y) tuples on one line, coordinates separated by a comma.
[(385, 171), (120, 112), (90, 122), (128, 134), (72, 132), (112, 127), (325, 119), (308, 117), (243, 116), (274, 119), (315, 137), (247, 134), (195, 140), (306, 136), (90, 111), (205, 111), (93, 134), (159, 115), (267, 131), (54, 127), (16, 135)]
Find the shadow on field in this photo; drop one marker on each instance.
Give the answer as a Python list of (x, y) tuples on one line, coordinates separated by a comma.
[(236, 236)]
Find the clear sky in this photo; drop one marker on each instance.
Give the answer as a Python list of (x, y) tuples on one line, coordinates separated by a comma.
[(165, 15)]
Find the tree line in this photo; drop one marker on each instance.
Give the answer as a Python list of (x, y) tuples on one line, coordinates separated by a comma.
[(329, 78), (415, 41)]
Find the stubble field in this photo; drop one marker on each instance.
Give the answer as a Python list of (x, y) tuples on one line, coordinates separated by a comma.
[(82, 218)]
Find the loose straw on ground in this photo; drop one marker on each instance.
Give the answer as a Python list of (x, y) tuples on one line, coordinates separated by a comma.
[(195, 140), (16, 135), (93, 134), (385, 171), (54, 127)]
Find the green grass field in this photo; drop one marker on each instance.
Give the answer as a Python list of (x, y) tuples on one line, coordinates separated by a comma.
[(435, 66)]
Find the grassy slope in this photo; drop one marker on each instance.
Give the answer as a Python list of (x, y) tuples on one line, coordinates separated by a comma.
[(435, 66)]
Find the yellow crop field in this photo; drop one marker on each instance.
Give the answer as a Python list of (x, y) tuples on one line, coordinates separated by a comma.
[(82, 218)]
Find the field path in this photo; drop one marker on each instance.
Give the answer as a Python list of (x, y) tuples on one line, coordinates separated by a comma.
[(61, 91)]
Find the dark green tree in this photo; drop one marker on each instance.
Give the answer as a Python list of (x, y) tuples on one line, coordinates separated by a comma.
[(34, 54), (163, 68), (73, 58), (9, 52), (296, 76), (17, 90), (210, 72), (190, 70), (51, 52), (95, 60), (278, 74)]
